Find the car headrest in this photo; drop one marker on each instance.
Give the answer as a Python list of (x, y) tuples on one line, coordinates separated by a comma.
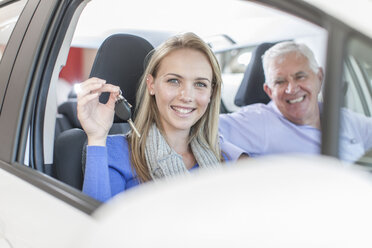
[(251, 88), (120, 61)]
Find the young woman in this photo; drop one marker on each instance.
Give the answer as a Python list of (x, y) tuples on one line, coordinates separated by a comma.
[(178, 103)]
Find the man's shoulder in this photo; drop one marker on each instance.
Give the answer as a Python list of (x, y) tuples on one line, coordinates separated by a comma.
[(250, 115), (258, 109), (257, 106)]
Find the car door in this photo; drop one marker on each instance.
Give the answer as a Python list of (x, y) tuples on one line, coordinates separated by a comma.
[(35, 209)]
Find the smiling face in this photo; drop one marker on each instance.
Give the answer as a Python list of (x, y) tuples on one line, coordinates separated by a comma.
[(182, 89), (294, 87)]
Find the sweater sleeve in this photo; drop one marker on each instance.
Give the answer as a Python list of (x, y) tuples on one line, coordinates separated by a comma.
[(96, 178), (108, 169)]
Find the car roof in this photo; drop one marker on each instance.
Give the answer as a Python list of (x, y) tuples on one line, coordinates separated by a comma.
[(222, 17), (355, 13)]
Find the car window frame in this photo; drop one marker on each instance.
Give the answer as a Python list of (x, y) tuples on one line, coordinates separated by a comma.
[(361, 81), (29, 75), (13, 45)]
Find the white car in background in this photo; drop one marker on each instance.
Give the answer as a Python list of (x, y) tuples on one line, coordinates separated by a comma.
[(286, 201)]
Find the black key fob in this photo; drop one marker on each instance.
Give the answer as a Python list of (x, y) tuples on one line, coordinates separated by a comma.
[(122, 108)]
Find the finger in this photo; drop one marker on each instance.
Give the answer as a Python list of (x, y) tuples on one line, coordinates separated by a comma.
[(110, 88), (92, 87), (92, 81), (88, 87), (114, 93), (82, 110), (112, 99), (86, 99), (98, 79)]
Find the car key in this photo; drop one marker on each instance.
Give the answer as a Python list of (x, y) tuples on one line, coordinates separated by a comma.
[(122, 109)]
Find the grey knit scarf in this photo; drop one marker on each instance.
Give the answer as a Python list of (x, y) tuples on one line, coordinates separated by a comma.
[(164, 162)]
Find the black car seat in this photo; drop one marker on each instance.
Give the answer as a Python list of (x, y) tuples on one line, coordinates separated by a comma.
[(120, 61), (67, 115), (251, 89)]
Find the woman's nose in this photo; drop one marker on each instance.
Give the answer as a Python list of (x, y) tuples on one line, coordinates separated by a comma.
[(186, 94)]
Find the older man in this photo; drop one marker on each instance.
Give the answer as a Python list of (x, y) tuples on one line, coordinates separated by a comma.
[(290, 123)]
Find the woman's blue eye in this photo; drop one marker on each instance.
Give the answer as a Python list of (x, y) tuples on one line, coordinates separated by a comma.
[(173, 80), (200, 84)]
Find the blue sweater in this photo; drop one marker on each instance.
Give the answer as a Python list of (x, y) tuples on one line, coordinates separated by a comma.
[(108, 169)]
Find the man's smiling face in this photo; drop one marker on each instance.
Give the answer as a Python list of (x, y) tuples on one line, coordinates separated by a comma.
[(294, 87)]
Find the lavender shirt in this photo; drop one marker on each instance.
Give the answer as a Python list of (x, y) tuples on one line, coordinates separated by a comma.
[(260, 129)]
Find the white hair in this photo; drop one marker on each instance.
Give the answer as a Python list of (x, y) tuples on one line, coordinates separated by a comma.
[(283, 48)]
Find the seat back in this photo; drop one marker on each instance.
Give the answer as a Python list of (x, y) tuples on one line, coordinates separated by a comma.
[(68, 156), (120, 61), (251, 89), (67, 116)]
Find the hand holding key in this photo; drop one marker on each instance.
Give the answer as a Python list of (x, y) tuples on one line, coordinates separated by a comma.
[(96, 118)]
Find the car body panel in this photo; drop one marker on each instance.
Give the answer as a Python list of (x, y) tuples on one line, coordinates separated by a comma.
[(36, 210), (19, 84), (22, 95), (273, 201), (10, 53), (33, 218)]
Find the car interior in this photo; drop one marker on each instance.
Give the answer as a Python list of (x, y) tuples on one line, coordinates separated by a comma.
[(130, 51), (120, 59), (251, 88)]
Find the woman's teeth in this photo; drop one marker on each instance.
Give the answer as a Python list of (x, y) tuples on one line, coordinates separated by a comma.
[(183, 110)]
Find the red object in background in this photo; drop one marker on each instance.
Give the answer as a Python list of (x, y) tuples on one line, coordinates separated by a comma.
[(72, 72)]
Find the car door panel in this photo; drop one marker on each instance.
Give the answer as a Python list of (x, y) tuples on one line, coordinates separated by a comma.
[(30, 217), (18, 108)]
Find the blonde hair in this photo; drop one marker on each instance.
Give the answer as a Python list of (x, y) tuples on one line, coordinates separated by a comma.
[(146, 113)]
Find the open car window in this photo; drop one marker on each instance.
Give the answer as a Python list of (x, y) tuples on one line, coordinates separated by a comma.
[(233, 35)]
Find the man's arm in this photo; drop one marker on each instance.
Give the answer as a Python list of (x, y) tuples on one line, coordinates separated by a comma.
[(243, 131), (232, 151)]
